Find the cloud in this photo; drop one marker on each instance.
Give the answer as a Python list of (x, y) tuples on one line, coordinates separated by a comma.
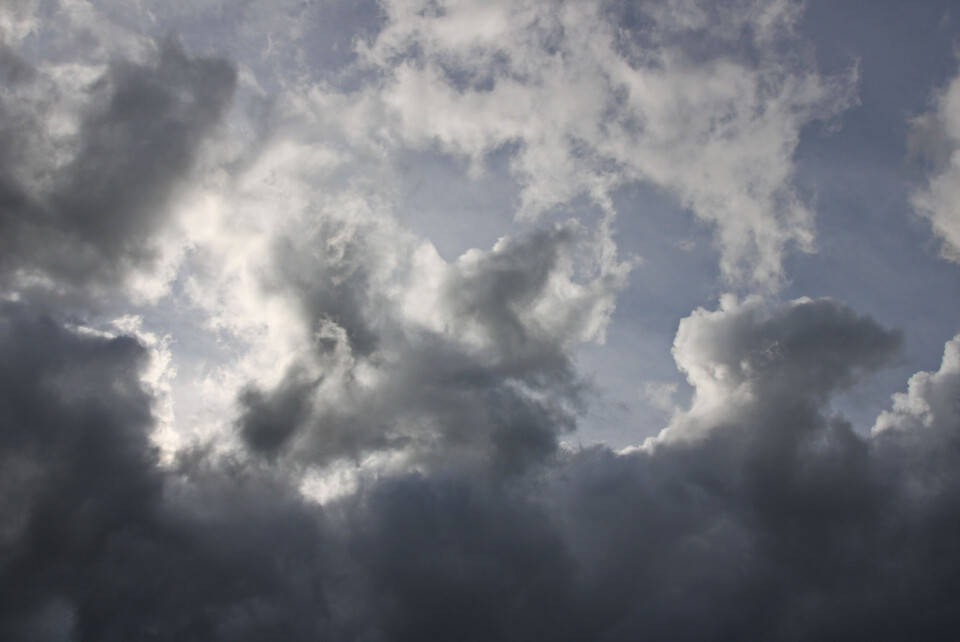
[(930, 402), (697, 98), (781, 522), (375, 451), (579, 110), (77, 467), (100, 542), (445, 557), (935, 136), (94, 159), (468, 360), (741, 358)]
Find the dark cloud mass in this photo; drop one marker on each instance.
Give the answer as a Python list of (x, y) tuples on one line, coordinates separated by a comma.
[(100, 544), (781, 524), (444, 389)]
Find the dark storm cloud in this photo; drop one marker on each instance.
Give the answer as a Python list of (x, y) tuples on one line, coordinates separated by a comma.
[(781, 523), (91, 220), (97, 543), (459, 558)]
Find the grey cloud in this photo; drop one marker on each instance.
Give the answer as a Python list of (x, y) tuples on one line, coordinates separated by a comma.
[(781, 524), (809, 348), (778, 520), (77, 467), (13, 68), (99, 542), (91, 220), (332, 282), (438, 395), (268, 419), (457, 557), (745, 358), (935, 138), (495, 292)]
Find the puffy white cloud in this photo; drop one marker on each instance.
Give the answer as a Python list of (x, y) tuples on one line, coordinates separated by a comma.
[(931, 400), (745, 362), (595, 94), (936, 136)]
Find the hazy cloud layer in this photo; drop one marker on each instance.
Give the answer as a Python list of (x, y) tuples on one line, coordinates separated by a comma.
[(240, 399)]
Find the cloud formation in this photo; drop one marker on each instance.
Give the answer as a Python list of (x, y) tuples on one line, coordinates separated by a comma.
[(780, 523), (241, 400), (936, 137), (101, 543), (466, 359), (87, 187), (705, 100), (741, 358)]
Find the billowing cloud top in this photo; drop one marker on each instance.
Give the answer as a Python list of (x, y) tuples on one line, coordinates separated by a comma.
[(307, 310)]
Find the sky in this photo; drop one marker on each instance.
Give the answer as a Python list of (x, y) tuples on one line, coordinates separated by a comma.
[(479, 320)]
